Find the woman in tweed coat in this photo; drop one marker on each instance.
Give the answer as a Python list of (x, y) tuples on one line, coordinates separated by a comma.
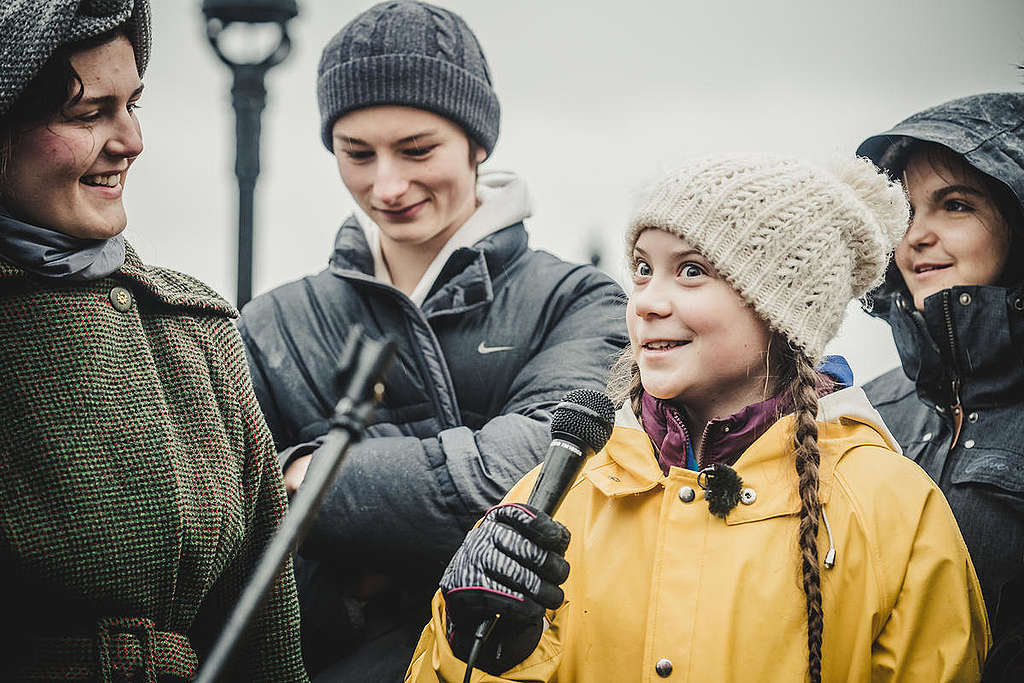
[(138, 483)]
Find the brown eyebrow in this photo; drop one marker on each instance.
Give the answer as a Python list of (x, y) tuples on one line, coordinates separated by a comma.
[(107, 99), (941, 193), (678, 254), (348, 140), (404, 141)]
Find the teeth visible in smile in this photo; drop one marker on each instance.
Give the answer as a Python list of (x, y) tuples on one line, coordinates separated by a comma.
[(659, 345), (102, 180)]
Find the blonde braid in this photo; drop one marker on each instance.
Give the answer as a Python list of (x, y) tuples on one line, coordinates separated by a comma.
[(804, 391)]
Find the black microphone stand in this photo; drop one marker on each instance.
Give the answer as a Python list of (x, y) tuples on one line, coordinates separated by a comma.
[(363, 364)]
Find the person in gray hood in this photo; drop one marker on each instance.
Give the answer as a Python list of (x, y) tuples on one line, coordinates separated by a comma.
[(954, 297), (491, 334)]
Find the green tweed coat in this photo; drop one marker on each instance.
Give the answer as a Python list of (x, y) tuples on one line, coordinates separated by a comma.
[(138, 483)]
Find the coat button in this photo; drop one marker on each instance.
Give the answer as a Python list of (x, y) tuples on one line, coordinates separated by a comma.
[(969, 443), (663, 667), (965, 298), (121, 298), (972, 417), (686, 494), (1018, 303), (748, 496)]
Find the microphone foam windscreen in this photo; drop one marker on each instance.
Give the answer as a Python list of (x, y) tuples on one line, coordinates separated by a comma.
[(587, 415)]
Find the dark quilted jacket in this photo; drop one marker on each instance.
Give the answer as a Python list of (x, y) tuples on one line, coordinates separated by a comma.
[(967, 345), (138, 483), (505, 333)]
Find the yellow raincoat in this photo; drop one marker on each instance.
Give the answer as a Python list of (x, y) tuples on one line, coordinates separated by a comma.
[(659, 584)]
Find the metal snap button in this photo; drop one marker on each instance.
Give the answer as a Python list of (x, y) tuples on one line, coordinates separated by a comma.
[(1018, 303), (748, 496), (687, 494), (969, 443), (972, 417), (121, 299), (663, 668), (725, 429), (927, 437), (965, 299)]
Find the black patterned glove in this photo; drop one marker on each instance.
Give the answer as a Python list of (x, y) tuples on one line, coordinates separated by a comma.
[(511, 564)]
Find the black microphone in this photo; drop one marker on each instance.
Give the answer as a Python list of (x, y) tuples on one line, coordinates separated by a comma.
[(580, 426)]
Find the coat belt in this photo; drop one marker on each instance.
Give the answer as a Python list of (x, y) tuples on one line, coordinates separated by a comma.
[(123, 648)]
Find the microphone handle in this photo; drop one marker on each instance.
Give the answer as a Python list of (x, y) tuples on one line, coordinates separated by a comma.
[(561, 467), (562, 464)]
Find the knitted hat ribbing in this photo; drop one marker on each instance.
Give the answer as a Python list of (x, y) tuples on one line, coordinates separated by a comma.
[(411, 54), (797, 241), (30, 32)]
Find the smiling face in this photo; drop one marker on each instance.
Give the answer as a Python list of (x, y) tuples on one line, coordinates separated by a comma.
[(410, 170), (68, 174), (956, 236), (693, 337)]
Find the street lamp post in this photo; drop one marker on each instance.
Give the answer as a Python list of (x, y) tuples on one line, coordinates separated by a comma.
[(248, 97)]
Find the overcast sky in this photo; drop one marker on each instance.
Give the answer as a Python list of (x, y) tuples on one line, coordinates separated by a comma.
[(598, 98)]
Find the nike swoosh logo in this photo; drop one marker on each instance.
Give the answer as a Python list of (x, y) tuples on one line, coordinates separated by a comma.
[(492, 349)]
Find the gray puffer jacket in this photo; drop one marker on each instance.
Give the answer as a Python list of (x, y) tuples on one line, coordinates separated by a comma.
[(503, 335), (966, 349)]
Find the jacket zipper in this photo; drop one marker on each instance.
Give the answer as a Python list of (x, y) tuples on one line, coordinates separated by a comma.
[(955, 409), (700, 448), (415, 312)]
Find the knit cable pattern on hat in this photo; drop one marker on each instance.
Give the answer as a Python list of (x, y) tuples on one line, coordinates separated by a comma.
[(30, 32), (409, 54), (796, 240)]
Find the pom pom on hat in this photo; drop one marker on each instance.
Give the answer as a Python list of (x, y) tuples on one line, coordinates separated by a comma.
[(885, 217), (796, 240)]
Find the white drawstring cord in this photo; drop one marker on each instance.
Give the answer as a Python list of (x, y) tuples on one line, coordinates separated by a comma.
[(830, 556)]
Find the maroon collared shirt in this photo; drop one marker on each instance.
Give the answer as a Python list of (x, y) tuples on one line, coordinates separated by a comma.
[(725, 439)]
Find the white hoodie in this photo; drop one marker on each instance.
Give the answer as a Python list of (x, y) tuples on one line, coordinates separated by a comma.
[(504, 201)]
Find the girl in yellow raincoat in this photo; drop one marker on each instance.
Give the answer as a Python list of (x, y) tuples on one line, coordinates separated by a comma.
[(747, 520)]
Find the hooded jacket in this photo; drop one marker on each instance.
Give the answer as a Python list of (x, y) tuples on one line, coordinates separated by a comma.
[(138, 482), (657, 583), (966, 347), (501, 334)]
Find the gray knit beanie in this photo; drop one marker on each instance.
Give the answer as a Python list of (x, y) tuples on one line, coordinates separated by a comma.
[(797, 241), (412, 54), (31, 30)]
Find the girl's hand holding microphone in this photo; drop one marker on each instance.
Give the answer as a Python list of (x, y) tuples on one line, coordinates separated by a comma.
[(512, 565)]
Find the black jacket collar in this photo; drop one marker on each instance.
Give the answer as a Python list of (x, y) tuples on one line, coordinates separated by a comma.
[(465, 281), (974, 334)]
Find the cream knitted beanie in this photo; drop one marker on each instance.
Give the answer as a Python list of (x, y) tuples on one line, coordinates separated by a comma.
[(796, 240)]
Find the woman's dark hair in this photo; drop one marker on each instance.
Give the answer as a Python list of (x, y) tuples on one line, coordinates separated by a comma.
[(793, 372), (55, 87), (896, 158)]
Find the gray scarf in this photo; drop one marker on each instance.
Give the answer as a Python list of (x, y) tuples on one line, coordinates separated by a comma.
[(53, 254)]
